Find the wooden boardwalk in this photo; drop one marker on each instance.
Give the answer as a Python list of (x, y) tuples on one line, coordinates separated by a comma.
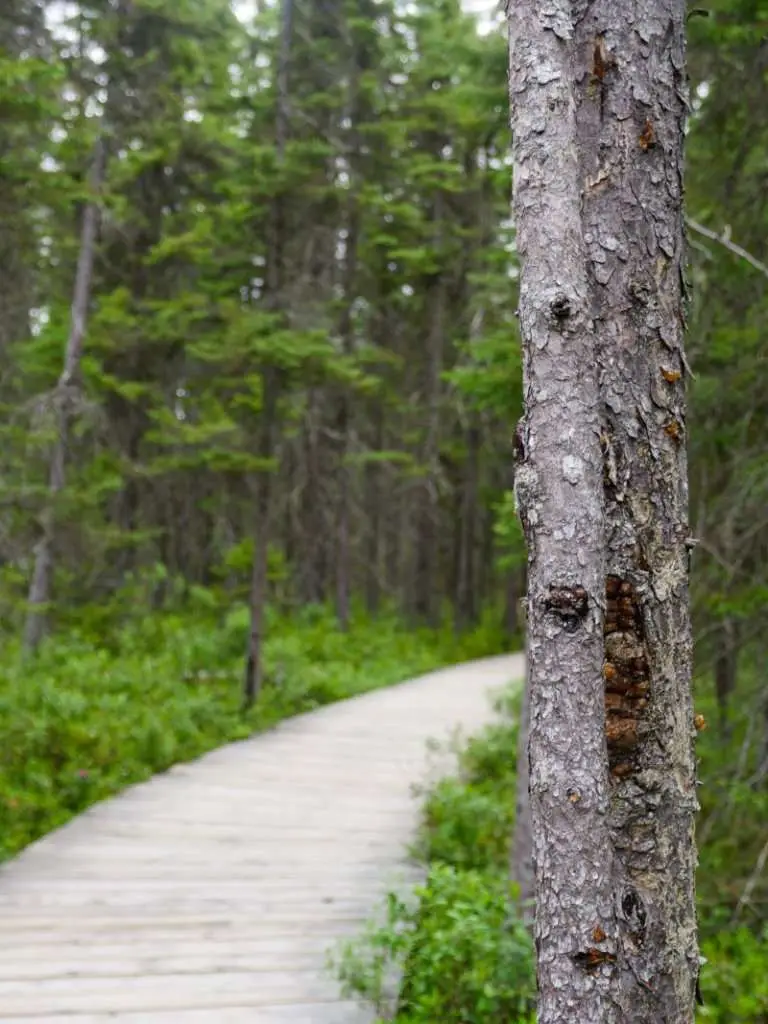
[(214, 892)]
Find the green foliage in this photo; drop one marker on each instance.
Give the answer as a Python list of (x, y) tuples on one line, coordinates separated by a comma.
[(733, 764), (509, 533), (468, 818), (84, 719), (735, 981), (464, 955), (469, 959)]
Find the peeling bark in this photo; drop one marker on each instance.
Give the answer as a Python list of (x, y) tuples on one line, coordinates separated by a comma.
[(599, 100)]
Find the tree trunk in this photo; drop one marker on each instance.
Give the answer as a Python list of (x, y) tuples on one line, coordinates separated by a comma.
[(374, 496), (314, 561), (254, 668), (343, 425), (425, 596), (270, 378), (598, 115), (466, 583), (65, 400), (726, 671), (558, 489), (632, 131)]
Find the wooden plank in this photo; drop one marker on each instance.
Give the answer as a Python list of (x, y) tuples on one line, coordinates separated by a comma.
[(213, 892)]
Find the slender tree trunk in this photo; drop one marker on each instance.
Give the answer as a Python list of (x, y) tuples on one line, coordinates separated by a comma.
[(726, 671), (254, 669), (466, 583), (425, 597), (598, 97), (270, 378), (373, 490), (632, 126), (343, 426), (343, 524), (314, 562), (65, 398)]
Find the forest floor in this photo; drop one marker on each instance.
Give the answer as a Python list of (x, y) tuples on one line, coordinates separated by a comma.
[(215, 891)]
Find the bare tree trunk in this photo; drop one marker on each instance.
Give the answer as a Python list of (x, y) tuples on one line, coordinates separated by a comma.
[(374, 497), (65, 399), (314, 561), (425, 598), (254, 668), (466, 583), (632, 127), (598, 95), (726, 671), (270, 378), (345, 488)]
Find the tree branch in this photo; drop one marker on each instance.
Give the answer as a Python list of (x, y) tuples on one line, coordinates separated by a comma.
[(750, 886), (725, 241)]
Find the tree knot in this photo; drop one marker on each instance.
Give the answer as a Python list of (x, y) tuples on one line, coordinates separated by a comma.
[(569, 604)]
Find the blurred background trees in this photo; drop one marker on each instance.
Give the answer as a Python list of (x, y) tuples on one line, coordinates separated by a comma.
[(301, 269)]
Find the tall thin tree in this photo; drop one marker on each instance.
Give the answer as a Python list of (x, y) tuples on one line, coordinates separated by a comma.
[(64, 402), (270, 375)]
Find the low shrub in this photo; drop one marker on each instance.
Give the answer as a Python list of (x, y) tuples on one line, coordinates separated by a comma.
[(458, 949), (464, 956)]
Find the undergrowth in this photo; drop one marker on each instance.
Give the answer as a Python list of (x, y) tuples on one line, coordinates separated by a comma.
[(96, 711), (457, 952)]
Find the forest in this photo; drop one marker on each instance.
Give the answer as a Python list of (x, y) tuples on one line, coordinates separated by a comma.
[(260, 372)]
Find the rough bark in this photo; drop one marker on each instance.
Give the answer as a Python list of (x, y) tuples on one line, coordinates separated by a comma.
[(598, 95), (631, 110), (65, 400), (558, 487)]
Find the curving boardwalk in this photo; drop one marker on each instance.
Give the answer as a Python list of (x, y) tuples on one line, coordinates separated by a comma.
[(214, 892)]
